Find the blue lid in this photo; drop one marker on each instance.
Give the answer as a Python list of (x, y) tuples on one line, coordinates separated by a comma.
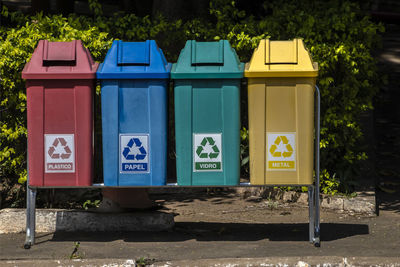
[(134, 60)]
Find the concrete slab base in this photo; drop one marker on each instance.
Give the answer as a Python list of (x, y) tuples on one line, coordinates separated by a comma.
[(51, 220)]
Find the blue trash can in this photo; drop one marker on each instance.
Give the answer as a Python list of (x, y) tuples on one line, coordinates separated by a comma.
[(134, 81)]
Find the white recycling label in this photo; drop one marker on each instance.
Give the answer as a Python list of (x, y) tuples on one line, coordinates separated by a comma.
[(281, 151), (207, 152), (134, 153), (59, 150)]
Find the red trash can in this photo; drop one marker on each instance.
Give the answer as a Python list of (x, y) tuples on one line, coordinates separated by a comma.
[(60, 82)]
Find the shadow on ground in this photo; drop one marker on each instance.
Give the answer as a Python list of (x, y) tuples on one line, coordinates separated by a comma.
[(189, 195), (205, 231)]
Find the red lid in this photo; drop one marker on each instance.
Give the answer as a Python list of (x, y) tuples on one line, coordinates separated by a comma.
[(60, 60)]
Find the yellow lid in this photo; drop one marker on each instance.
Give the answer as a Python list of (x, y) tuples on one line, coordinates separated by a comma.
[(281, 59)]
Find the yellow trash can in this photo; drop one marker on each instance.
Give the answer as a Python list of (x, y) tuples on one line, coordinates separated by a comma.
[(281, 85)]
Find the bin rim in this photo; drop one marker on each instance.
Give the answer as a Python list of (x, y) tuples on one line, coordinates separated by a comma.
[(280, 74), (58, 76), (133, 75), (207, 75)]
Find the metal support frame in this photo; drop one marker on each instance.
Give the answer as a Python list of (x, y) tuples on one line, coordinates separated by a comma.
[(313, 191), (30, 216)]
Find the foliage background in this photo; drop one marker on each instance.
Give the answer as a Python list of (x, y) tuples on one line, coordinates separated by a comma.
[(339, 35)]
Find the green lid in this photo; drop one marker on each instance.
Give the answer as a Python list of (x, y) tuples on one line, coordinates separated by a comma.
[(207, 60)]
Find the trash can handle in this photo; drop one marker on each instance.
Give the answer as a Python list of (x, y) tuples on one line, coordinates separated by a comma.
[(207, 53), (59, 53), (133, 53)]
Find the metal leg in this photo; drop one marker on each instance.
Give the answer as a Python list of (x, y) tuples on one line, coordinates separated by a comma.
[(311, 213), (317, 162), (30, 217)]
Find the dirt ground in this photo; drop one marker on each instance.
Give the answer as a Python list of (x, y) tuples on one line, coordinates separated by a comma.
[(217, 225)]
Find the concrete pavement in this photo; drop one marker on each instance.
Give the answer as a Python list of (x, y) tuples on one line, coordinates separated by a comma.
[(222, 230), (270, 261)]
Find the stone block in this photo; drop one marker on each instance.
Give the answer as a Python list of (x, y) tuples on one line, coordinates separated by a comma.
[(51, 220)]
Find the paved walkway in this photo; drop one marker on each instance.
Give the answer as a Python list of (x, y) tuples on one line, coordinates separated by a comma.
[(224, 226)]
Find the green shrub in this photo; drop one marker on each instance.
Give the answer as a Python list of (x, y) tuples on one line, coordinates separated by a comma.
[(339, 36), (15, 50), (341, 39)]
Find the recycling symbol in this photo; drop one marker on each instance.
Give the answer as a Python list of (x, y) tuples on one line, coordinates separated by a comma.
[(200, 149), (285, 141), (67, 151), (134, 142)]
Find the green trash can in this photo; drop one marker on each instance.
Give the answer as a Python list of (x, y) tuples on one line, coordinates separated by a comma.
[(207, 114)]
